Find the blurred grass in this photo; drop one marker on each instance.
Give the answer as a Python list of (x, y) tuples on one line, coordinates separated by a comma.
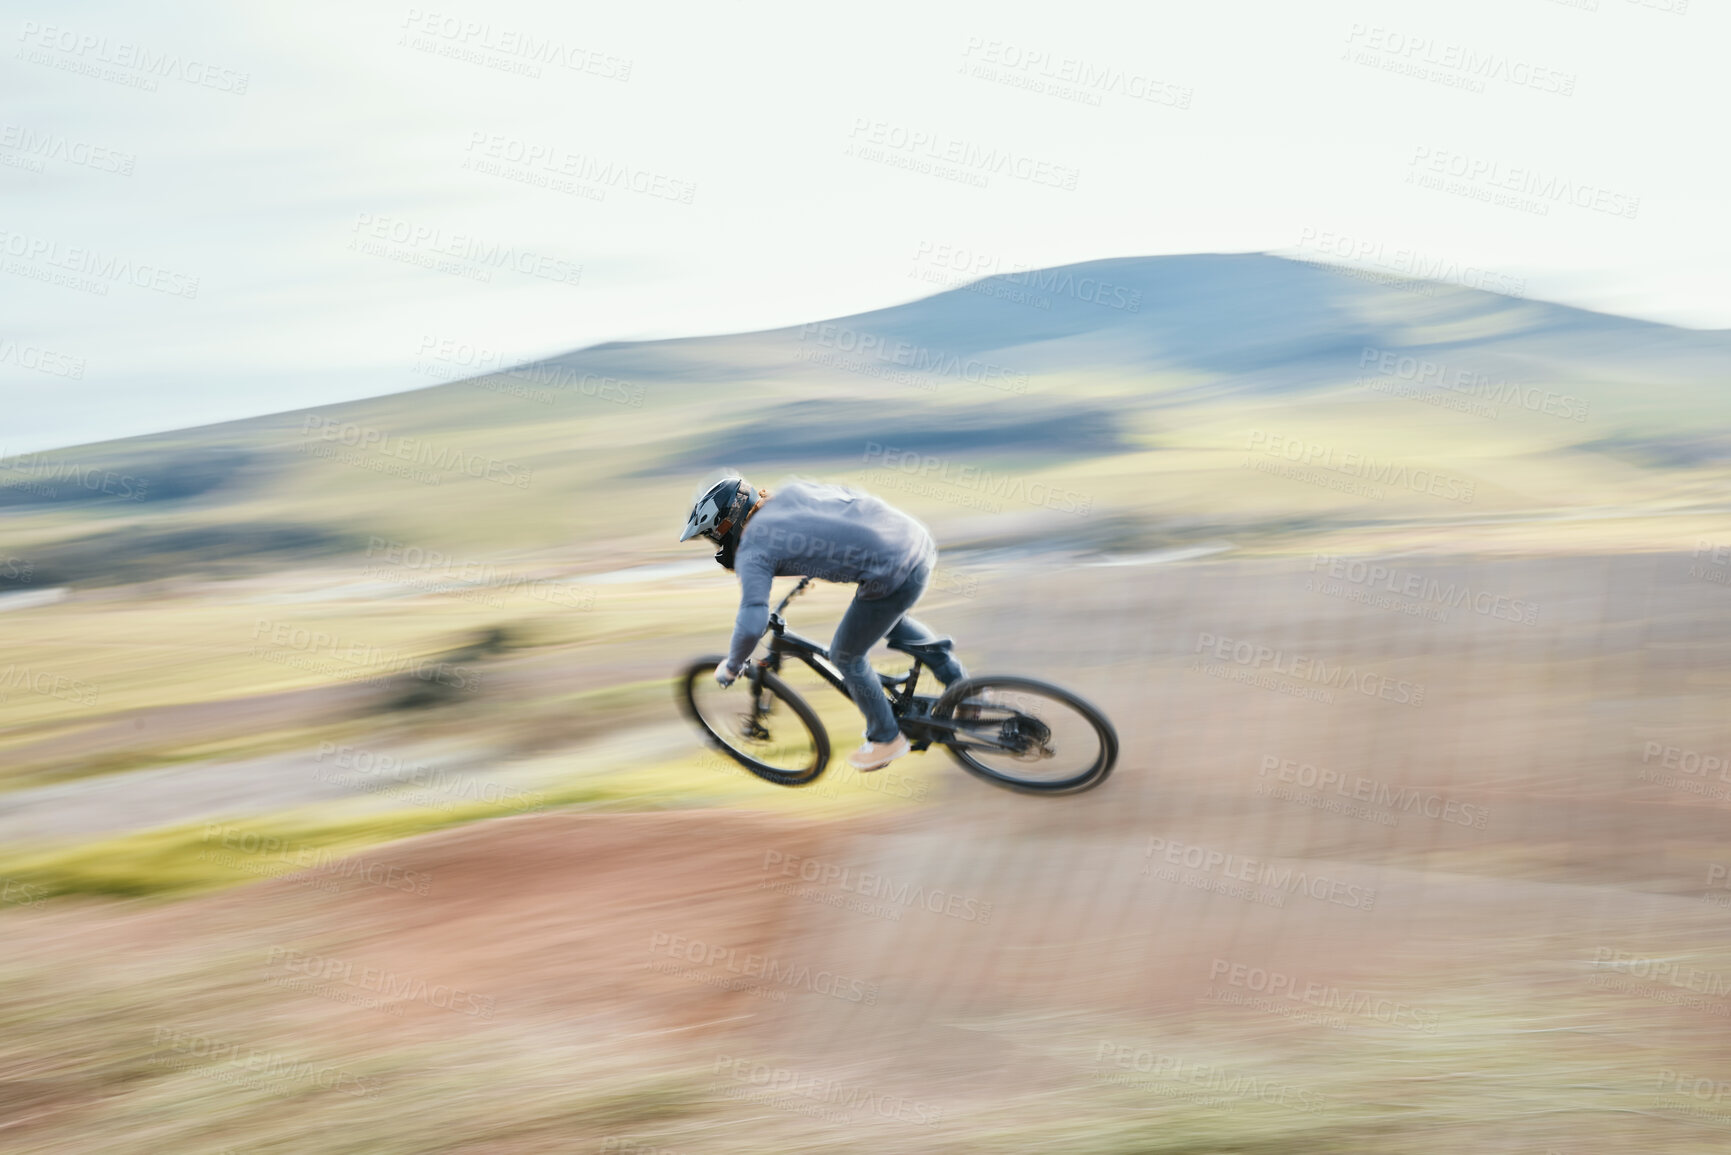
[(23, 774), (193, 858), (189, 859), (106, 1072)]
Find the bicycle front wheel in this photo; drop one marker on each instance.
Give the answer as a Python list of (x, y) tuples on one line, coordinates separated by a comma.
[(1027, 735), (763, 724)]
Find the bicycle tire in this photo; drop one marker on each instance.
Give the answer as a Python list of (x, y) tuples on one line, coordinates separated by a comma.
[(1075, 784), (703, 669)]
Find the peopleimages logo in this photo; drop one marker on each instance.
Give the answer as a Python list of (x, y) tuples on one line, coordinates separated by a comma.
[(880, 140), (41, 145), (1371, 575), (1069, 77), (906, 355), (356, 658), (45, 470), (1361, 789), (767, 967), (392, 448), (469, 575), (1211, 1078), (328, 864), (1437, 374), (1719, 557), (1256, 873), (1686, 760), (1257, 657), (536, 162), (525, 46), (389, 768), (1667, 971), (1429, 165), (1679, 1085), (98, 265), (432, 242), (1457, 65), (850, 1096), (1008, 277), (16, 892), (1362, 466), (877, 886), (92, 55), (231, 1062), (388, 985), (1276, 984), (1405, 262), (971, 477), (40, 359), (46, 683)]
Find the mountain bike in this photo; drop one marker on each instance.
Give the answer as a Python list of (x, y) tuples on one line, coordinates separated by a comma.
[(1014, 732)]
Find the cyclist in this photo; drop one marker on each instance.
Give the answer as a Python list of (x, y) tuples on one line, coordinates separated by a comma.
[(838, 534)]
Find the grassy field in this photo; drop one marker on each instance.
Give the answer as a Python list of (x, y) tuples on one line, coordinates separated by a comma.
[(253, 645)]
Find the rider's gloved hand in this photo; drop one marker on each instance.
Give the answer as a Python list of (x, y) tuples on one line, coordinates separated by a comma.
[(725, 673)]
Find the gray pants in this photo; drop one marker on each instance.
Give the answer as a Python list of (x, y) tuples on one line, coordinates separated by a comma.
[(866, 622)]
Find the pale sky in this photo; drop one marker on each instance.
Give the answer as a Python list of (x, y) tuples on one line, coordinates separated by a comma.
[(219, 210)]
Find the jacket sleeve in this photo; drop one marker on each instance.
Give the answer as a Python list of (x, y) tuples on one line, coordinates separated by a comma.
[(755, 578)]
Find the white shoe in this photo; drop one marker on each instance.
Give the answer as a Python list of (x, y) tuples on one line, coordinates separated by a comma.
[(877, 755)]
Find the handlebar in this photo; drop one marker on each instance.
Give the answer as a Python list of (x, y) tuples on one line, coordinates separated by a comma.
[(791, 594)]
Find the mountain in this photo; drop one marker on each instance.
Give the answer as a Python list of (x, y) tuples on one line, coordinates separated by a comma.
[(1139, 381), (1256, 319)]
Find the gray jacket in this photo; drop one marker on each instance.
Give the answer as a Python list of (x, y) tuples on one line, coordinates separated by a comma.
[(830, 532)]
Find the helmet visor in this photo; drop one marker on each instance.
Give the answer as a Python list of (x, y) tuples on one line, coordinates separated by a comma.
[(710, 502)]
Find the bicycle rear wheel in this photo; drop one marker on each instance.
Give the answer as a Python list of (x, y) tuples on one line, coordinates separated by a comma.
[(1028, 735), (764, 726)]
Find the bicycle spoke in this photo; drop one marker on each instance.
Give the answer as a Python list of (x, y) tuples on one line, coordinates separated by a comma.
[(1027, 735), (766, 727)]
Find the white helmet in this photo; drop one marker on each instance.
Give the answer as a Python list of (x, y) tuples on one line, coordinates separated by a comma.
[(720, 510), (720, 514)]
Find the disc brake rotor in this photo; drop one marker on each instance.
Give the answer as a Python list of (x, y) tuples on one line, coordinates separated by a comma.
[(1027, 737)]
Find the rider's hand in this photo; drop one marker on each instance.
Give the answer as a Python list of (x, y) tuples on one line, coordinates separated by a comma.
[(725, 673)]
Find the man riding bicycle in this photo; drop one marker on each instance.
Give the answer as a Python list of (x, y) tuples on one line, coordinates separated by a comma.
[(838, 534)]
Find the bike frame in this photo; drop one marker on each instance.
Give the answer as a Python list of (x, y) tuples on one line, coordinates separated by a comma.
[(912, 711)]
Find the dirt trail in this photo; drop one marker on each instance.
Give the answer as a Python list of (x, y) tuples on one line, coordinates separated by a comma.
[(928, 951), (545, 916)]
